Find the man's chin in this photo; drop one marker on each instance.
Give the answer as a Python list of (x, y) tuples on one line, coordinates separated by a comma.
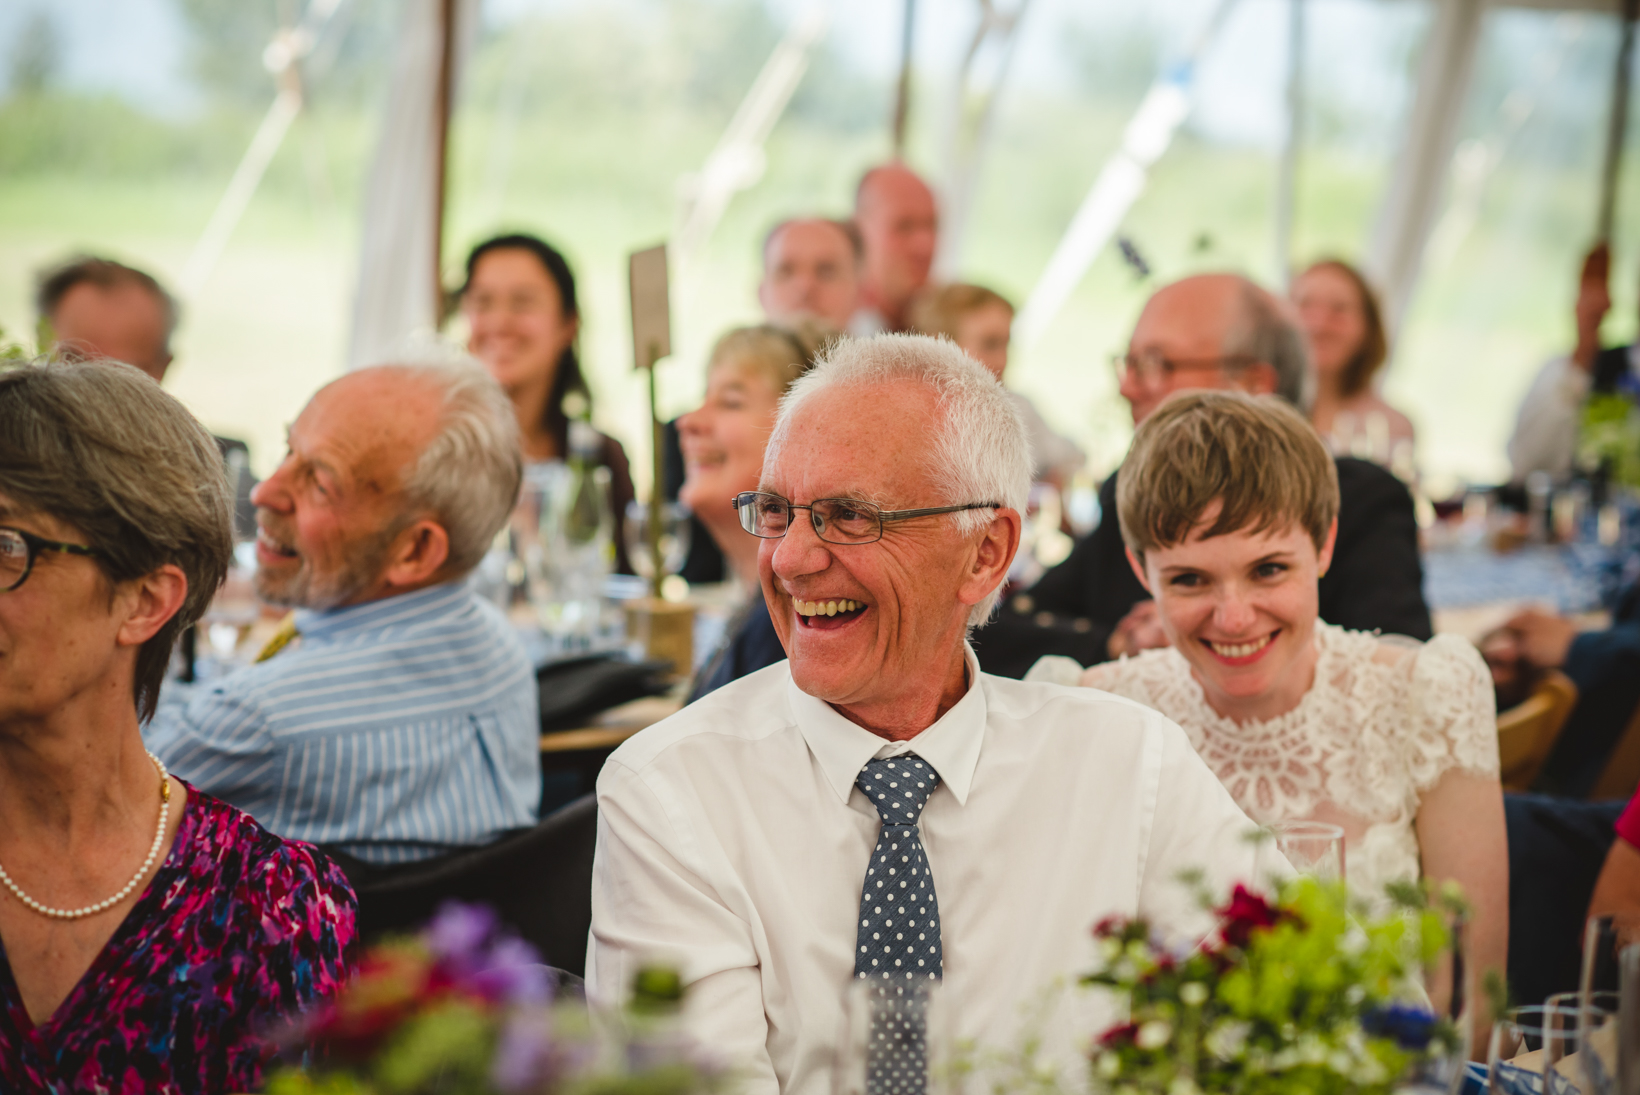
[(829, 682)]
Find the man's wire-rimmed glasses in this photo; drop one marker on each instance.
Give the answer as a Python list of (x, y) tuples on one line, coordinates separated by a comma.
[(19, 549), (835, 520), (1150, 368)]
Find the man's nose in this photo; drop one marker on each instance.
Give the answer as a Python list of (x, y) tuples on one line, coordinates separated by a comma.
[(270, 493), (800, 551)]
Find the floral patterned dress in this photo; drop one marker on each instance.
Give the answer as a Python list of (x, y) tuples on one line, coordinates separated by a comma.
[(1386, 718), (236, 929)]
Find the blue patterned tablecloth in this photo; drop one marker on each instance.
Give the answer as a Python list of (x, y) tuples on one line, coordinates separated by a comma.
[(1572, 578)]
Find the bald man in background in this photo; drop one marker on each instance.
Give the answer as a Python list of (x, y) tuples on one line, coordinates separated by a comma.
[(1214, 331), (899, 223), (811, 269), (92, 307)]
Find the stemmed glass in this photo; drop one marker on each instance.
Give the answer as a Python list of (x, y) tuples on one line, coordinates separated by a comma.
[(674, 538)]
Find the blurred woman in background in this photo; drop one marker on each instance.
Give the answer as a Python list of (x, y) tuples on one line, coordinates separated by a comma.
[(1348, 346), (523, 324), (980, 322), (723, 441)]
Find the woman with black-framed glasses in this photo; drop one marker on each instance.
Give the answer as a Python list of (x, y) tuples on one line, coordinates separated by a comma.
[(149, 934)]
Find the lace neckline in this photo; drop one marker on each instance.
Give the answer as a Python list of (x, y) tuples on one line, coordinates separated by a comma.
[(1328, 640)]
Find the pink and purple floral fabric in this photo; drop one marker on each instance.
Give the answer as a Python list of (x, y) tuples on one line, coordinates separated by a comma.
[(236, 930)]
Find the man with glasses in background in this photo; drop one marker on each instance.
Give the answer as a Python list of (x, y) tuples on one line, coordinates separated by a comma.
[(876, 808), (1214, 331)]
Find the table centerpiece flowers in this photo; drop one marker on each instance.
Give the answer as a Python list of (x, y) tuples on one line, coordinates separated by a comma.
[(465, 1008), (1295, 994)]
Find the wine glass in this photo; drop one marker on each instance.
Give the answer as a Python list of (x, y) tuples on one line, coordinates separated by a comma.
[(674, 538)]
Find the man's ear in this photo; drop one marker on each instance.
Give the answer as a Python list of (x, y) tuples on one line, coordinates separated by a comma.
[(149, 602), (418, 554), (993, 555), (1259, 378), (1138, 569)]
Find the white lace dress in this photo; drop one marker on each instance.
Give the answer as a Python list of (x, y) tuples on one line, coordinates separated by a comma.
[(1385, 719)]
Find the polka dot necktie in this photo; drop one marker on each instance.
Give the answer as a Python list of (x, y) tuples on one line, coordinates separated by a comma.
[(899, 936)]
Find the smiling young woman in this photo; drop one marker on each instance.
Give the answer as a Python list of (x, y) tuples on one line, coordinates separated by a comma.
[(1228, 504)]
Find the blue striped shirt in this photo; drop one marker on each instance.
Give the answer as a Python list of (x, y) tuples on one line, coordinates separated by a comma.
[(396, 729)]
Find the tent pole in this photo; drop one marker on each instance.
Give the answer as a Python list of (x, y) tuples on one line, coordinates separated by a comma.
[(1395, 251), (902, 98), (1287, 170), (441, 141), (1619, 122)]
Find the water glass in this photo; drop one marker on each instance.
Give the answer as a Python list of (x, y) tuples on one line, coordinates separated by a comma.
[(1527, 1045), (563, 532), (1314, 848), (1596, 1030), (896, 1038)]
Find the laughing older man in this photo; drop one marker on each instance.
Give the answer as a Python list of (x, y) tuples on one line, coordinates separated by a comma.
[(876, 804), (402, 719)]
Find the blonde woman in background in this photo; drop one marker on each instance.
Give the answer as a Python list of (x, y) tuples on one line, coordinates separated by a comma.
[(723, 441), (1344, 327), (980, 322)]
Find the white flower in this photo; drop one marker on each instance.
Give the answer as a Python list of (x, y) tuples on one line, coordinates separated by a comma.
[(1109, 1065), (1109, 949), (1154, 1034), (1193, 993), (1183, 1085), (1227, 1038)]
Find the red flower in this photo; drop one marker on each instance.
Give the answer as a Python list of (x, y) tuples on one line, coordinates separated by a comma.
[(1119, 1036), (1246, 912)]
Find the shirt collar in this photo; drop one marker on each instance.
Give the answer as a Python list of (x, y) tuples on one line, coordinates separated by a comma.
[(335, 623), (951, 745)]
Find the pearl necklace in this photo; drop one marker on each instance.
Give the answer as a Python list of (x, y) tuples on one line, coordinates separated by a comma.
[(142, 872)]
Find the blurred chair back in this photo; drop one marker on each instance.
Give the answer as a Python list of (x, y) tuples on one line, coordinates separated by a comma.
[(539, 882), (1527, 731), (1622, 772)]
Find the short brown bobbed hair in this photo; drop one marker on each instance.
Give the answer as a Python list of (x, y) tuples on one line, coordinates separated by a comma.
[(1370, 356), (1255, 455), (940, 310), (99, 446)]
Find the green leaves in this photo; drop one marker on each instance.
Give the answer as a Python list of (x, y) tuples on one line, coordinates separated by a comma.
[(1302, 996)]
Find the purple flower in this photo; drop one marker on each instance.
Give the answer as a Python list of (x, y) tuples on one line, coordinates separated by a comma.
[(458, 933), (513, 974)]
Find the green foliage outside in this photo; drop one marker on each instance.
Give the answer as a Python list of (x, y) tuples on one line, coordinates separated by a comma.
[(578, 123)]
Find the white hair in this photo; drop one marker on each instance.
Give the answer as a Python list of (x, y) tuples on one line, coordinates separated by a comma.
[(469, 474), (979, 451)]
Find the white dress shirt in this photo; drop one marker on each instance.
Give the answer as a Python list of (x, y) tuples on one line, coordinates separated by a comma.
[(1547, 426), (733, 842)]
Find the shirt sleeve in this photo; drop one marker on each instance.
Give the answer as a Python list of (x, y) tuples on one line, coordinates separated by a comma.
[(220, 742), (1452, 718), (651, 903), (1195, 827), (1545, 435)]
